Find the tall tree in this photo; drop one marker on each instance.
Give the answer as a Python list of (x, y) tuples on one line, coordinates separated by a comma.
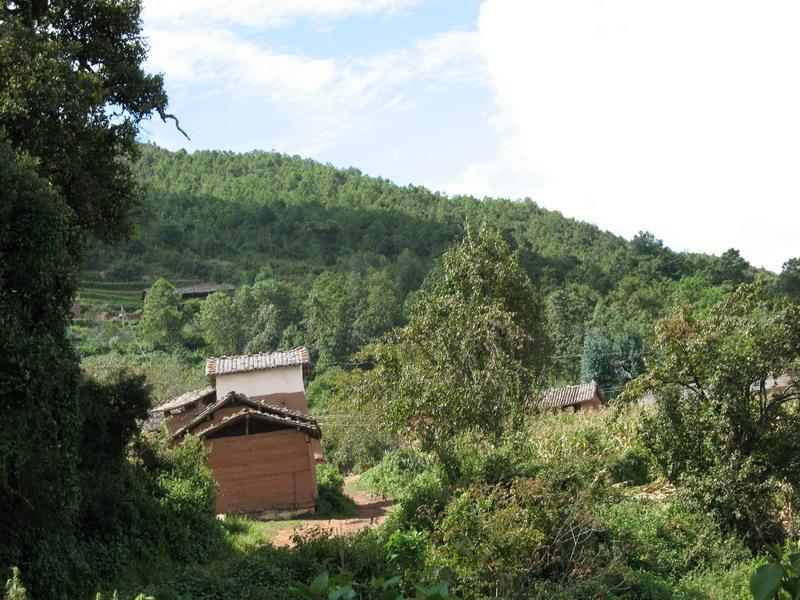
[(718, 428), (162, 317), (569, 311), (72, 93), (472, 352), (788, 281), (597, 358), (331, 309)]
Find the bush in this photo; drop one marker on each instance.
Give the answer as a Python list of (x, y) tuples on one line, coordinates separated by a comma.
[(669, 540), (406, 552), (633, 467), (331, 500), (506, 537), (393, 474), (177, 494)]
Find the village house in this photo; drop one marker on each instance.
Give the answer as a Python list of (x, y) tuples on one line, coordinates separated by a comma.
[(584, 396), (254, 419), (276, 376), (199, 290)]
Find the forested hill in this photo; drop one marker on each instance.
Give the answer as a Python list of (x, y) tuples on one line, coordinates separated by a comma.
[(223, 217), (220, 215)]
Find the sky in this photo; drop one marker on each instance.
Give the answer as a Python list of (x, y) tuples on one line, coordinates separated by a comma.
[(680, 118)]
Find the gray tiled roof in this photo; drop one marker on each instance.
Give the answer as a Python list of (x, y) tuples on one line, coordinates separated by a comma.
[(570, 395), (277, 414), (257, 362), (283, 419), (186, 399)]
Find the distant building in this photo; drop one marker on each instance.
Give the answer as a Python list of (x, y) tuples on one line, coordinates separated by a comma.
[(584, 396), (200, 290), (254, 417), (774, 384), (262, 456), (75, 308), (275, 376)]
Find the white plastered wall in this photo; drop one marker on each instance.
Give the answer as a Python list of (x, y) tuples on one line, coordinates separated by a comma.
[(280, 380)]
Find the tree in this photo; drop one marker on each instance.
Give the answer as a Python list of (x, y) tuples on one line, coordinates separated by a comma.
[(162, 317), (40, 429), (789, 280), (730, 268), (381, 309), (331, 309), (473, 351), (73, 93), (569, 311), (629, 353), (717, 428), (596, 361), (263, 311), (220, 325)]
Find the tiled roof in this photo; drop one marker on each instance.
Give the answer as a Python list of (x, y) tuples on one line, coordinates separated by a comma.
[(570, 395), (257, 362), (278, 418), (199, 289), (274, 413), (152, 422), (186, 399)]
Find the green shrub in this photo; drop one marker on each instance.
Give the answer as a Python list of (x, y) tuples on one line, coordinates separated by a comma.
[(406, 552), (394, 473), (422, 501), (633, 467), (669, 540), (779, 578), (508, 537), (177, 496), (14, 589), (495, 462), (331, 500)]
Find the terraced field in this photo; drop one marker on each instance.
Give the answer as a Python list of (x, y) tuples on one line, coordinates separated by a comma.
[(97, 296)]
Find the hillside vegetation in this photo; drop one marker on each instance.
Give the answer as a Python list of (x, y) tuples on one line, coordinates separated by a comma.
[(347, 252), (434, 323)]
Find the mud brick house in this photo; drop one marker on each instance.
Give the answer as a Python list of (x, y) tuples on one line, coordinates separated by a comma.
[(254, 420), (584, 396)]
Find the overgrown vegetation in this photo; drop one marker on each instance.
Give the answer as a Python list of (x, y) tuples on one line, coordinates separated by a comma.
[(333, 260), (434, 324), (82, 502)]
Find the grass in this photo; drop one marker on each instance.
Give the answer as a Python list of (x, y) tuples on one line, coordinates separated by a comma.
[(355, 485)]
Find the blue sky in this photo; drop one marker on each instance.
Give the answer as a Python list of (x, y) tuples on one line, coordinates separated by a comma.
[(676, 118)]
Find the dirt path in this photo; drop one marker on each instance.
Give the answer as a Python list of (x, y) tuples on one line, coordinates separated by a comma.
[(372, 510)]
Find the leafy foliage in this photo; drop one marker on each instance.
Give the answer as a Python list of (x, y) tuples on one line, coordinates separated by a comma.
[(474, 346), (779, 578), (73, 93), (717, 427), (331, 500), (162, 320)]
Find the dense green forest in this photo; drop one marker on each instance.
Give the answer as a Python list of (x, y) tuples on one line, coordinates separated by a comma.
[(435, 324), (345, 252)]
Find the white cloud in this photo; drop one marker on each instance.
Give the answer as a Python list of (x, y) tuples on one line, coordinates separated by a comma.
[(682, 117), (264, 13), (328, 98)]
